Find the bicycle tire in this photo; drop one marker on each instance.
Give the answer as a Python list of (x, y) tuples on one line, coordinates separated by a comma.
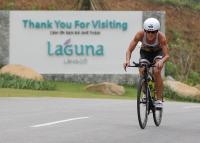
[(157, 116), (142, 116)]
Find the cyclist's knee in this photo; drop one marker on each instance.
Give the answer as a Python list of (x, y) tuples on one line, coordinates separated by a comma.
[(141, 71), (157, 72)]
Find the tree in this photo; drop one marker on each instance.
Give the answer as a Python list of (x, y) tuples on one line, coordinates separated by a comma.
[(182, 57)]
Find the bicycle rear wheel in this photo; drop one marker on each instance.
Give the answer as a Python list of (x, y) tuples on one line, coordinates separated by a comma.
[(142, 106), (157, 114)]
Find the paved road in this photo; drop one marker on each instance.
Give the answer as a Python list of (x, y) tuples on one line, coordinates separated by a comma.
[(66, 120)]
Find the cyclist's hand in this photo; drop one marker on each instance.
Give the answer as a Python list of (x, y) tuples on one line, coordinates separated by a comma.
[(126, 64), (159, 65)]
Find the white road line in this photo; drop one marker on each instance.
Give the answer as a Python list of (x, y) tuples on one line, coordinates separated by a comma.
[(51, 123), (192, 107)]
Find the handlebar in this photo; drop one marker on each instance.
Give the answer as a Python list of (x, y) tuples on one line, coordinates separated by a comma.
[(142, 65)]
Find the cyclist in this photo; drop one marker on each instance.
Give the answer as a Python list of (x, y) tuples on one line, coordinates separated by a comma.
[(154, 48)]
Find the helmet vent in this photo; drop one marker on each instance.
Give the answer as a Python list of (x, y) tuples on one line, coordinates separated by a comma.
[(151, 26)]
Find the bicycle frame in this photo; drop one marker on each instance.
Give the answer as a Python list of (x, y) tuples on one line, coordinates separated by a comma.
[(145, 74), (143, 83), (149, 98)]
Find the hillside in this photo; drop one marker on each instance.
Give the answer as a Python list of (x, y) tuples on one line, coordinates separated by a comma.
[(178, 18)]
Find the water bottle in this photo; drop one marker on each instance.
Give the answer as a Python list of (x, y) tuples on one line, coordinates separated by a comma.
[(152, 87)]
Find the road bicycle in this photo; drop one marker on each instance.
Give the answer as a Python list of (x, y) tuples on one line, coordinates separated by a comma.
[(146, 96)]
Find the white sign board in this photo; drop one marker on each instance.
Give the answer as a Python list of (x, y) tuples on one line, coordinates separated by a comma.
[(73, 42)]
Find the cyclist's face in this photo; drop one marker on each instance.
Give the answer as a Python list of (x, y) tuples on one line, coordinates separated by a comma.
[(151, 35)]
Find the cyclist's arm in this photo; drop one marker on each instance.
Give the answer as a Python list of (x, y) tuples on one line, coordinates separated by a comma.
[(164, 45), (165, 50), (132, 46)]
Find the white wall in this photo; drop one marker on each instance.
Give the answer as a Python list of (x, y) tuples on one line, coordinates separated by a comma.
[(29, 46)]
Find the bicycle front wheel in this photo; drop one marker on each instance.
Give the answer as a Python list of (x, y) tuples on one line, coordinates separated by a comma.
[(157, 116), (142, 104)]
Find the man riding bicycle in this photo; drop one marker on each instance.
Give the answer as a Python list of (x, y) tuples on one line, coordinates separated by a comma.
[(154, 48)]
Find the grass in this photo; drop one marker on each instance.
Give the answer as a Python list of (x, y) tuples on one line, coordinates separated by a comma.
[(75, 90), (68, 90)]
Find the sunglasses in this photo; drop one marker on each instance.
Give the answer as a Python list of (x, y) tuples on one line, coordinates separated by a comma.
[(152, 32)]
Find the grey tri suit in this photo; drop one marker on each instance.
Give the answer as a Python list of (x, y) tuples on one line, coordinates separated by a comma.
[(147, 55)]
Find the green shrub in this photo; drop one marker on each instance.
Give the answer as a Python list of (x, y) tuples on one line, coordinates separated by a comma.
[(193, 75), (193, 78), (176, 34), (10, 6), (35, 8), (169, 69), (9, 81), (193, 4), (3, 64), (52, 7)]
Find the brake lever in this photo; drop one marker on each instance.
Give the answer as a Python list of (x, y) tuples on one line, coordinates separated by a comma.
[(134, 63), (125, 69), (137, 65)]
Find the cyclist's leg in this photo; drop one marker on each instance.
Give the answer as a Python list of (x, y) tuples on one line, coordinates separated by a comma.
[(144, 59), (157, 75), (141, 73), (158, 82)]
